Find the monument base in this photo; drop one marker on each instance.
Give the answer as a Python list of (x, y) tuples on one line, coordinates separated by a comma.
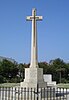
[(33, 76), (33, 85)]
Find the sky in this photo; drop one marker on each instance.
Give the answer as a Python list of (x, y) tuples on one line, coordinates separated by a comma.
[(52, 31)]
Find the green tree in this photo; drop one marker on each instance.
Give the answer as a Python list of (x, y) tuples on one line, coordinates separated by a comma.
[(45, 66), (59, 66), (8, 69), (21, 71)]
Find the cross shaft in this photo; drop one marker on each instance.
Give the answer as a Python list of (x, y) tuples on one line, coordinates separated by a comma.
[(34, 18)]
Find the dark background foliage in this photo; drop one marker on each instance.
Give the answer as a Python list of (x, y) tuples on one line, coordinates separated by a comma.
[(14, 72)]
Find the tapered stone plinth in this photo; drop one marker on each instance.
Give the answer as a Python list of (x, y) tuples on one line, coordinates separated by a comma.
[(32, 77)]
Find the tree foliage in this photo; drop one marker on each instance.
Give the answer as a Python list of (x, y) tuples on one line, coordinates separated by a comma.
[(59, 68), (13, 72), (8, 70)]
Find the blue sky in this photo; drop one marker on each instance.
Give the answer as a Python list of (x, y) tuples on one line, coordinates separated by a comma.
[(53, 31)]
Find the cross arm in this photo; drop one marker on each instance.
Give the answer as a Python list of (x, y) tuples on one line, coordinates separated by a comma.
[(29, 18), (39, 17)]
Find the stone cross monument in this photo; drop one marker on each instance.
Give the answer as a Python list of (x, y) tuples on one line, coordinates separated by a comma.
[(34, 18), (33, 74)]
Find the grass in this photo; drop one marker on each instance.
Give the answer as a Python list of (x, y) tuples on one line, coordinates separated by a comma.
[(18, 84), (9, 84), (63, 85)]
